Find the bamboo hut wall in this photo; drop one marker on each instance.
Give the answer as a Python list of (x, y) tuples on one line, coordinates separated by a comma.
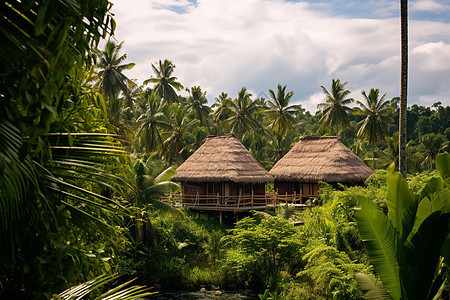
[(259, 189), (303, 189)]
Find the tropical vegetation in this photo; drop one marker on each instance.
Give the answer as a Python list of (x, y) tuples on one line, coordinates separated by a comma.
[(86, 156)]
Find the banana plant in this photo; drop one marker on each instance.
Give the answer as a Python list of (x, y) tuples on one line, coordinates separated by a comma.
[(406, 247)]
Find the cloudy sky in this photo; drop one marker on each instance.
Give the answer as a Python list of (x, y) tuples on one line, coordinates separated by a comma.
[(223, 45)]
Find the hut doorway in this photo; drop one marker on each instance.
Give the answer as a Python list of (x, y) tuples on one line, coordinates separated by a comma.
[(297, 188)]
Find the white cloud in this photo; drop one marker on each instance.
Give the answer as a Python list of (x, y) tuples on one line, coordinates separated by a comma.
[(224, 45), (310, 104), (431, 57), (428, 6)]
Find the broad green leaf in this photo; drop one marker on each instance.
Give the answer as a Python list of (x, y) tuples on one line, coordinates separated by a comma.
[(441, 201), (443, 165), (434, 185), (397, 198), (380, 239), (391, 168), (445, 250), (423, 211), (372, 287), (408, 220), (422, 255), (438, 202)]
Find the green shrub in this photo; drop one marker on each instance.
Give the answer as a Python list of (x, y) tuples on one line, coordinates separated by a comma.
[(332, 273), (199, 276)]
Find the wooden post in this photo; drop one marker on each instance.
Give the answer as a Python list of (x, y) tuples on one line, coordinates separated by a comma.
[(196, 200), (252, 199), (295, 197), (220, 217), (239, 198), (218, 203)]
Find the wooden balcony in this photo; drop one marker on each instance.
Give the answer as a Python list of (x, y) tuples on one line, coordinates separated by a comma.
[(238, 203)]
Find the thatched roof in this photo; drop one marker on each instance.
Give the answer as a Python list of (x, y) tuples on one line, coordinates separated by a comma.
[(321, 158), (222, 158)]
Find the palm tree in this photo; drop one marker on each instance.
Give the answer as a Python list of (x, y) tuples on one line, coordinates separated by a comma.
[(335, 112), (278, 146), (403, 86), (430, 146), (391, 150), (242, 111), (374, 127), (178, 137), (152, 122), (198, 103), (165, 83), (112, 81), (281, 114), (220, 105), (216, 246)]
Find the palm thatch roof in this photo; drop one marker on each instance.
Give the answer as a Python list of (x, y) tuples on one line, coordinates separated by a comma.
[(321, 158), (222, 158)]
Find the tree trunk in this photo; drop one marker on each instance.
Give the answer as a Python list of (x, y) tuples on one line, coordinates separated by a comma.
[(403, 86), (373, 157)]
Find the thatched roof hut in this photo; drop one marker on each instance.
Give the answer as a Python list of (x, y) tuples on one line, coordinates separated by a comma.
[(321, 158), (222, 158)]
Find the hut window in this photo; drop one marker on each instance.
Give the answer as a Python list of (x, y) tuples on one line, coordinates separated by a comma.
[(210, 188), (218, 188), (247, 189), (214, 188)]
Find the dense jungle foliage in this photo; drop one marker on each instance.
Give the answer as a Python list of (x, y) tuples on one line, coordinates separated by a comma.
[(86, 154)]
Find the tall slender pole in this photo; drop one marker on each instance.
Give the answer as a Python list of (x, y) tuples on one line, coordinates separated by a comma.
[(403, 86)]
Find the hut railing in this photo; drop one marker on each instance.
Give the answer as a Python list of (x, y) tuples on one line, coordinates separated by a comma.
[(248, 200)]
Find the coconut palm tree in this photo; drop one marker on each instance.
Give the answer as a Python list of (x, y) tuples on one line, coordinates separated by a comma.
[(280, 113), (335, 112), (197, 103), (111, 79), (152, 122), (374, 127), (278, 146), (403, 86), (220, 105), (430, 146), (391, 150), (177, 138), (242, 114), (166, 85)]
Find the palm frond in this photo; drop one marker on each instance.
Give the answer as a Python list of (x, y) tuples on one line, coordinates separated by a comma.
[(123, 291)]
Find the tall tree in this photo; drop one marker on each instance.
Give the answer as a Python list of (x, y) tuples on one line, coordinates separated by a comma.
[(242, 114), (52, 181), (152, 122), (178, 138), (281, 114), (112, 81), (197, 103), (335, 112), (221, 107), (166, 85), (374, 126), (403, 86)]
